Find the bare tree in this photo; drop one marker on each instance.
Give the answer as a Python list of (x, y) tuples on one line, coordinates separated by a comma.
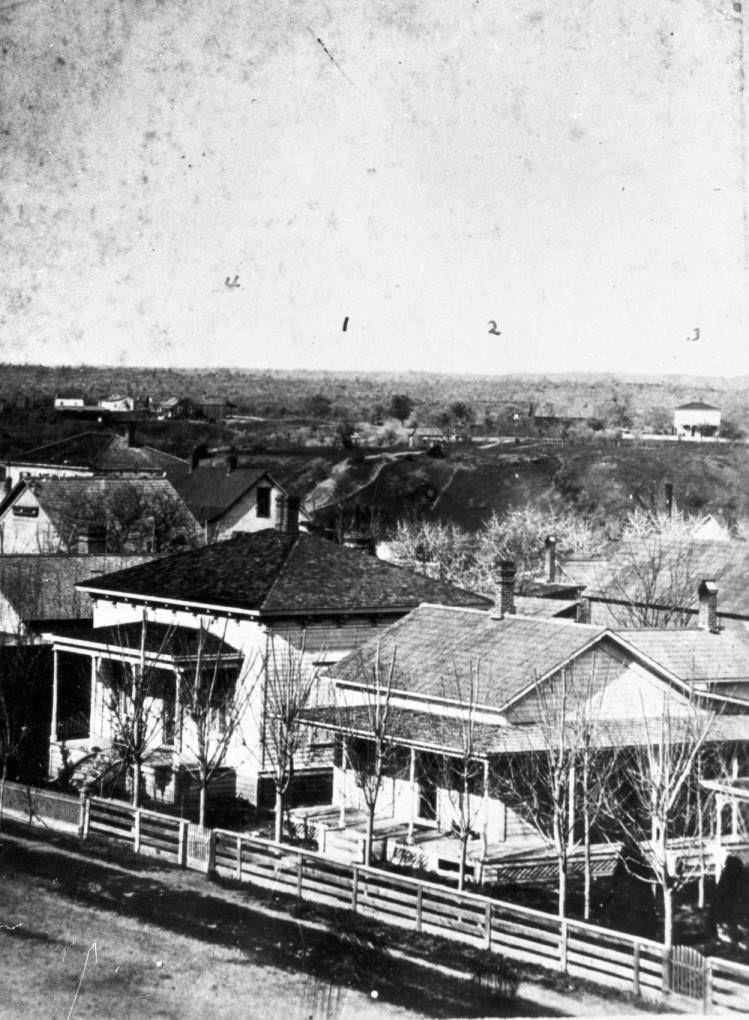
[(373, 757), (215, 695), (540, 783), (461, 775), (138, 702), (288, 689), (655, 572), (654, 800)]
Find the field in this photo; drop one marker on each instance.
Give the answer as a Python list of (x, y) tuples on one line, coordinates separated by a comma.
[(129, 938)]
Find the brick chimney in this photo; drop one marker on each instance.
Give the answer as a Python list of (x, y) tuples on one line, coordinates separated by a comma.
[(550, 559), (505, 592), (707, 618), (231, 463)]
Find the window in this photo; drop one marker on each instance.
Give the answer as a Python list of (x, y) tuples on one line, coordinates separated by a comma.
[(263, 501)]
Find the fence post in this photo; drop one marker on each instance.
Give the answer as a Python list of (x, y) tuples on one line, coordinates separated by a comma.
[(563, 944), (636, 969), (85, 815), (299, 875), (182, 845), (488, 924), (354, 887), (419, 897), (239, 859), (211, 851), (707, 988), (136, 830)]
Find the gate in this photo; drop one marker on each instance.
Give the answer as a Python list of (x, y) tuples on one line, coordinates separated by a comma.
[(688, 968), (198, 848)]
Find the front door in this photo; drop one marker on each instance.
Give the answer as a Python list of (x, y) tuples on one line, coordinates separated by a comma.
[(428, 774)]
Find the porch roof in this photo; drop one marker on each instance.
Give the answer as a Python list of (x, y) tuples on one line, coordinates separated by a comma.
[(449, 734), (163, 643)]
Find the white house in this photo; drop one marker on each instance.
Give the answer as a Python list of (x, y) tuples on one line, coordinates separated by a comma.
[(228, 499), (696, 419), (117, 402), (43, 516), (496, 689), (69, 399), (280, 592)]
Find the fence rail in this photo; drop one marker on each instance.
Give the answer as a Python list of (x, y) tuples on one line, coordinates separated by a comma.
[(582, 950)]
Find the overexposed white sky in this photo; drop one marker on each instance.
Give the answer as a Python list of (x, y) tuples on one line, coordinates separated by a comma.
[(572, 171)]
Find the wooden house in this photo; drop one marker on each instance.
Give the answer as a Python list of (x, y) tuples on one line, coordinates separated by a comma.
[(269, 595), (484, 695)]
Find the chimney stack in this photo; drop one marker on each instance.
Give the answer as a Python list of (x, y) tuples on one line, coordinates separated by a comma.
[(550, 559), (505, 597), (708, 611), (287, 515), (669, 499), (231, 463)]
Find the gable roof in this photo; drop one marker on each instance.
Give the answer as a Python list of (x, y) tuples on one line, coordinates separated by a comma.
[(211, 491), (725, 562), (63, 498), (696, 405), (41, 588), (695, 656), (435, 644), (102, 451), (277, 574)]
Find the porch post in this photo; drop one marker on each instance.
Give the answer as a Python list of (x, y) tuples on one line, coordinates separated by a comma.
[(92, 703), (412, 788), (734, 799), (342, 812), (53, 724), (485, 822), (177, 712)]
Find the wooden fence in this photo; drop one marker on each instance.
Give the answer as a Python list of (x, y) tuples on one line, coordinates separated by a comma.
[(42, 807), (600, 955)]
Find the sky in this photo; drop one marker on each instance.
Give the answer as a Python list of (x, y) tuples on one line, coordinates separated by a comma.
[(206, 183)]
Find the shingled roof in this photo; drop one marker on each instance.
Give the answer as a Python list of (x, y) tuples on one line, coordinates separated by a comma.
[(725, 562), (434, 644), (276, 574), (103, 451), (696, 656), (428, 730), (68, 502), (211, 491)]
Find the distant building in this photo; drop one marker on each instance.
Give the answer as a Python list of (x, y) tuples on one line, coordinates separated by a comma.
[(117, 402), (90, 453), (69, 399), (227, 500), (696, 419)]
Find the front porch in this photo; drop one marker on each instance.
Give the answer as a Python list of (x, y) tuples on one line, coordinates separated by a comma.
[(118, 691)]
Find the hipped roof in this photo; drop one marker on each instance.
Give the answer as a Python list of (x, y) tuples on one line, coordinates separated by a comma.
[(274, 573)]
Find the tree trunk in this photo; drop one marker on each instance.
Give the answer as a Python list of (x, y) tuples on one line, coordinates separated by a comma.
[(202, 802), (668, 915), (278, 827), (3, 781), (462, 865), (136, 783), (369, 837)]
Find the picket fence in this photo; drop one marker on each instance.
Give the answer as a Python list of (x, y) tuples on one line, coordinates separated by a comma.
[(596, 954)]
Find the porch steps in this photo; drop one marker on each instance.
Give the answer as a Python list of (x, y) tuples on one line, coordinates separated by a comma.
[(345, 845)]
